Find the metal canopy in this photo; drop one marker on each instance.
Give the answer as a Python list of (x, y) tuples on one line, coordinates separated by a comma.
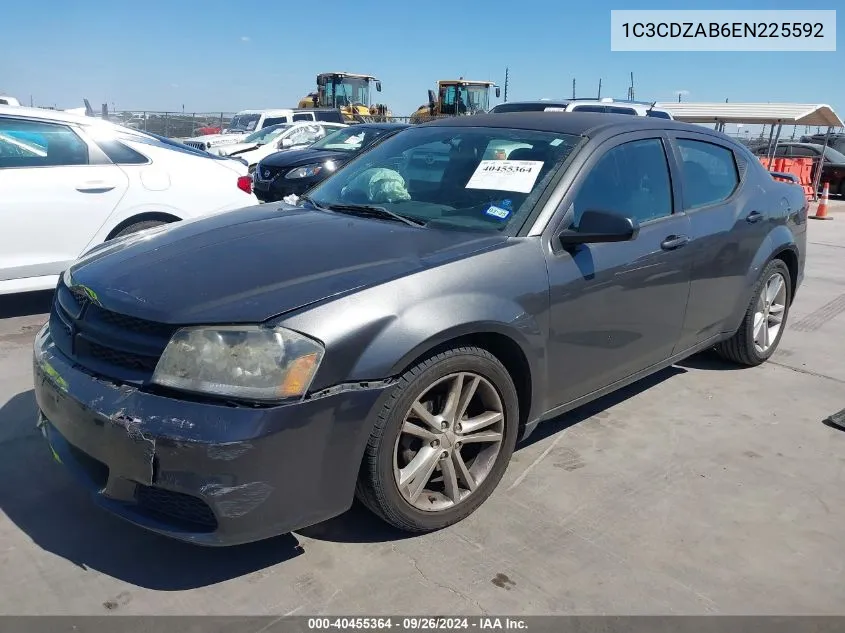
[(817, 114)]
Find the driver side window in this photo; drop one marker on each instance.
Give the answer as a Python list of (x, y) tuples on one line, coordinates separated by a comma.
[(631, 179)]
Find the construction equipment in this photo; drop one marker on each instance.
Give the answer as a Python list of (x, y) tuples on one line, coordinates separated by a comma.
[(348, 92), (456, 97)]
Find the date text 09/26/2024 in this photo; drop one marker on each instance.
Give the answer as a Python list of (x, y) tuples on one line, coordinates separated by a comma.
[(419, 623)]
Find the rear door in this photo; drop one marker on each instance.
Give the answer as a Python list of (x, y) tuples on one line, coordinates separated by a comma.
[(727, 228), (57, 191), (618, 308)]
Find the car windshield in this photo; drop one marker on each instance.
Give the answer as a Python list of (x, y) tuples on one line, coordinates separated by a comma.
[(833, 156), (452, 177), (244, 122), (267, 134), (349, 139)]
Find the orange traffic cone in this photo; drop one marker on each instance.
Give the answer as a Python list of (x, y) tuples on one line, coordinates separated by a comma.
[(821, 212)]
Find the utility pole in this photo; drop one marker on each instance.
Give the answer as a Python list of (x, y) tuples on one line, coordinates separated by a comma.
[(573, 87), (632, 85), (599, 95), (506, 85)]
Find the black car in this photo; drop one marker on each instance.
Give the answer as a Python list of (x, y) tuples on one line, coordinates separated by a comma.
[(246, 374), (835, 140), (295, 171), (833, 167)]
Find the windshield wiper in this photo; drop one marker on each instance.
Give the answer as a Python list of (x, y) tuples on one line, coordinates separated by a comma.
[(366, 210)]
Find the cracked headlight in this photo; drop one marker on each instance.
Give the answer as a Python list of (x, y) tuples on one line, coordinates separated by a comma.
[(306, 171), (249, 362)]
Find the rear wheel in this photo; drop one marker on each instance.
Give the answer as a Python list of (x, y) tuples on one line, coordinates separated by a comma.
[(138, 226), (762, 327), (442, 441)]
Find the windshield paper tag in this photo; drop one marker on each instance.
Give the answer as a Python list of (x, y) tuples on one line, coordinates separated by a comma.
[(496, 212), (506, 175)]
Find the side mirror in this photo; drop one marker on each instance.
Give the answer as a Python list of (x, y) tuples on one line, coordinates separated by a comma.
[(286, 142), (600, 226), (498, 92), (378, 86)]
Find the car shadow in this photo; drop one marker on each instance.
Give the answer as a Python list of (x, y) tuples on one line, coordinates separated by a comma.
[(42, 500), (25, 304), (39, 498), (709, 360)]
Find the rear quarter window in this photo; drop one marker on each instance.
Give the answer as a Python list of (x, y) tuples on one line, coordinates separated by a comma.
[(121, 154)]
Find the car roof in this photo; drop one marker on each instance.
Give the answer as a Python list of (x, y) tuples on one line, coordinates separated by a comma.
[(577, 123), (49, 115)]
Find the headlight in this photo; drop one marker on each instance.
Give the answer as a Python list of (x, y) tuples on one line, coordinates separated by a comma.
[(249, 362), (306, 171)]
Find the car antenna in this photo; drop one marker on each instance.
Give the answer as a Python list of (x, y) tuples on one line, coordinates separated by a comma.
[(651, 107)]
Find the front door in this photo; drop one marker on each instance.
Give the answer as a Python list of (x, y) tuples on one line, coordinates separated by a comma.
[(53, 199), (617, 308)]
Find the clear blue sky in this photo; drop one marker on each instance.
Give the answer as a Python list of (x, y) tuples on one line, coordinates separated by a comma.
[(229, 55)]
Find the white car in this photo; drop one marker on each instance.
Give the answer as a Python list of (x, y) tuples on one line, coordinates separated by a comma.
[(274, 138), (70, 182), (249, 121)]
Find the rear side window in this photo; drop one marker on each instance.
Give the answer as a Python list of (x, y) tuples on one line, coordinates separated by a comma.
[(589, 108), (120, 154), (276, 120), (658, 114), (614, 110), (709, 173), (631, 179), (334, 116), (303, 117), (36, 144)]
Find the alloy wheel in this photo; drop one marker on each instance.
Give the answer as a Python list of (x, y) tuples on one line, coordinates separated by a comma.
[(449, 441), (768, 315)]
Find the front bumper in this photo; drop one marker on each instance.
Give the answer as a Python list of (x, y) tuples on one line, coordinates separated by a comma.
[(202, 472)]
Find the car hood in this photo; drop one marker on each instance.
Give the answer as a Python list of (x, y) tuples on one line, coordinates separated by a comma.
[(216, 139), (287, 158), (249, 265), (231, 148)]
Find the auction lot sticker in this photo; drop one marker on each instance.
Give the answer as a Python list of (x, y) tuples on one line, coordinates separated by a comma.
[(506, 175)]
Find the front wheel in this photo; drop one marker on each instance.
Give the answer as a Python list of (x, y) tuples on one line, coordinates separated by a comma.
[(442, 441), (762, 327)]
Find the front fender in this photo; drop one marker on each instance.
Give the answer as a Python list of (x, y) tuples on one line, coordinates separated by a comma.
[(778, 240)]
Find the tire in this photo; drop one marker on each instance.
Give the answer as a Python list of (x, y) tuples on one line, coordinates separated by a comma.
[(742, 348), (137, 226), (485, 461)]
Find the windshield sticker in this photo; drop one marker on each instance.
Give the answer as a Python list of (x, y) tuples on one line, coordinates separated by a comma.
[(553, 109), (352, 140), (497, 212), (506, 175), (556, 142)]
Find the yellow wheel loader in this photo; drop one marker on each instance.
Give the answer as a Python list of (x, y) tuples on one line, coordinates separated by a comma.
[(456, 97), (348, 92)]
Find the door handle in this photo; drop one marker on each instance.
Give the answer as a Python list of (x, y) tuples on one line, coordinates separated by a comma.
[(674, 241), (754, 216), (94, 187)]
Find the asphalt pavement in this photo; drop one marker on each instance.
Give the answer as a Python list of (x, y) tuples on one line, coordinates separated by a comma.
[(703, 489)]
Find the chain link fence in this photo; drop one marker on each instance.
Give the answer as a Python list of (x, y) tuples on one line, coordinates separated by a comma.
[(186, 125), (173, 124)]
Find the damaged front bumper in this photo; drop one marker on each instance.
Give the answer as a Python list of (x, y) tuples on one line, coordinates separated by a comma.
[(203, 472)]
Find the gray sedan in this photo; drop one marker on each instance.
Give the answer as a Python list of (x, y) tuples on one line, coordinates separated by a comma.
[(421, 310)]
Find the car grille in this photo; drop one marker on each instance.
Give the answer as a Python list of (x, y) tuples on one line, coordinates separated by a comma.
[(196, 144), (187, 511), (268, 172), (107, 343)]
